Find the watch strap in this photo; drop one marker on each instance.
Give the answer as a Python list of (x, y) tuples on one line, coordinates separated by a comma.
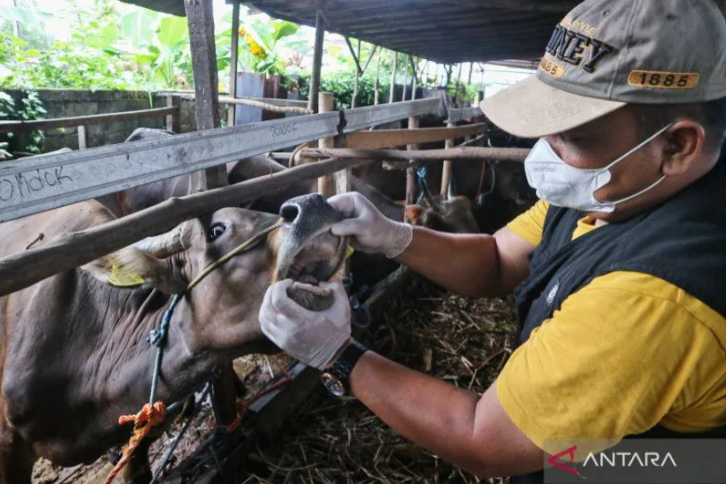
[(344, 364)]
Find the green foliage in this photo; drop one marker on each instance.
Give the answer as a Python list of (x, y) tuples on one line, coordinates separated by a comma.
[(263, 42), (30, 108), (341, 83)]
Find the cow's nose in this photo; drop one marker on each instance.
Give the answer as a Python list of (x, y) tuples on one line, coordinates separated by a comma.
[(311, 208), (289, 212)]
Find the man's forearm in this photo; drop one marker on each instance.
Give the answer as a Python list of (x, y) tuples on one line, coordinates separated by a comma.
[(421, 408), (467, 264)]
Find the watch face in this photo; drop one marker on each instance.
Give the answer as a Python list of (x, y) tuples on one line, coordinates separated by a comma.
[(333, 384)]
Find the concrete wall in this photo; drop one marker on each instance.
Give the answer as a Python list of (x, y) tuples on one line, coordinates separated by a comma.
[(61, 103)]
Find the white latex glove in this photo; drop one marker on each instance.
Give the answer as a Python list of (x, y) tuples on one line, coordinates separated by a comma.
[(369, 229), (312, 337)]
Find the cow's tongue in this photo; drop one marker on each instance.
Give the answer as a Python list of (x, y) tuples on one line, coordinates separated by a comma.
[(310, 296)]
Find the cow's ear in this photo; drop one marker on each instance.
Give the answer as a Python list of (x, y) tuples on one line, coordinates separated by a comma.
[(130, 267)]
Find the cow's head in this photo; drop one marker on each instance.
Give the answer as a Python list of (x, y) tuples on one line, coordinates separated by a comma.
[(221, 312)]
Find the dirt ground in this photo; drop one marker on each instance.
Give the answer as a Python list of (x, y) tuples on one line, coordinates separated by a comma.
[(460, 340)]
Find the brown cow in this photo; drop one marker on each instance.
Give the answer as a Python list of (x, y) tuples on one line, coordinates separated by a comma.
[(73, 354)]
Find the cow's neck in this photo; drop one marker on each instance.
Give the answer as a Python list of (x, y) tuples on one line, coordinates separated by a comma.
[(139, 313)]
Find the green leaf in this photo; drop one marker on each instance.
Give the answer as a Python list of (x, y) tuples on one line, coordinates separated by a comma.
[(136, 27), (24, 15), (105, 36), (172, 31), (284, 29)]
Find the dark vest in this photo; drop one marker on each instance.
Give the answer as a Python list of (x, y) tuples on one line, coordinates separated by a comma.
[(681, 241)]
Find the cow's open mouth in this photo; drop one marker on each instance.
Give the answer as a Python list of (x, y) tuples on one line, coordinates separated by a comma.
[(317, 260)]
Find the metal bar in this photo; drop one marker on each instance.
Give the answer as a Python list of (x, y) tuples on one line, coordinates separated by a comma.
[(37, 184), (20, 126)]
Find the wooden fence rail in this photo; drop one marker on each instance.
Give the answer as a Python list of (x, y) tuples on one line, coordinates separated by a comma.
[(18, 126), (246, 100), (458, 153)]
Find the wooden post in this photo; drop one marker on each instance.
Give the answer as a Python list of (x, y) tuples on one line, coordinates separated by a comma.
[(469, 75), (315, 75), (376, 81), (354, 99), (411, 182), (404, 84), (82, 138), (414, 78), (172, 119), (393, 79), (326, 184), (447, 166), (204, 63), (235, 36)]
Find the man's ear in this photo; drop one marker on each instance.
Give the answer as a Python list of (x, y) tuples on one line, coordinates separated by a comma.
[(131, 267), (683, 147)]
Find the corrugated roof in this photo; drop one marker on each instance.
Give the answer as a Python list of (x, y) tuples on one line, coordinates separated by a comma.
[(174, 7), (448, 31), (445, 31)]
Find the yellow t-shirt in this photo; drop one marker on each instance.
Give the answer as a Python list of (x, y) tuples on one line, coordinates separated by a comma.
[(624, 353)]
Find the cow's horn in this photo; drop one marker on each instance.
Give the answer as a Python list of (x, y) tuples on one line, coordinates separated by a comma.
[(168, 243)]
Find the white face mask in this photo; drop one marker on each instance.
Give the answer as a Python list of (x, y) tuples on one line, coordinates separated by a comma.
[(563, 185)]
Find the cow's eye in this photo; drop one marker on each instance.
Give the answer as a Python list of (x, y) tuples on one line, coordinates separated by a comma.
[(216, 230)]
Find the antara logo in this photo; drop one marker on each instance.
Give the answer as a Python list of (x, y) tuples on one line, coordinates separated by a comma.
[(611, 459), (630, 459), (570, 452)]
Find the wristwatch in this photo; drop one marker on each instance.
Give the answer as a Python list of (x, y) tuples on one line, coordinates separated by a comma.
[(335, 378)]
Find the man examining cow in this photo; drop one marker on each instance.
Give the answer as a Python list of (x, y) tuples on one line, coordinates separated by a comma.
[(618, 270)]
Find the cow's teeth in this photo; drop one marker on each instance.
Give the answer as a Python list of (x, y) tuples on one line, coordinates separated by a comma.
[(308, 279)]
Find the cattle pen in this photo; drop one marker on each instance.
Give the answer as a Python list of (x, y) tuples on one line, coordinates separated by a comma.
[(333, 142)]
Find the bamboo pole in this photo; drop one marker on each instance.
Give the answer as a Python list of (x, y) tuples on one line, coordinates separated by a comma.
[(447, 165), (234, 38), (354, 98), (326, 184), (393, 79), (400, 156), (411, 184), (403, 86), (376, 81), (315, 75)]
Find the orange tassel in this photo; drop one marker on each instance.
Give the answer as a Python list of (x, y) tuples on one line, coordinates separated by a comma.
[(148, 417)]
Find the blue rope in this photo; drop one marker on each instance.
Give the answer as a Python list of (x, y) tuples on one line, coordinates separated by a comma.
[(158, 338)]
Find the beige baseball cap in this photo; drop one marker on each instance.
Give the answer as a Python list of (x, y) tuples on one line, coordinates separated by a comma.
[(607, 53)]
